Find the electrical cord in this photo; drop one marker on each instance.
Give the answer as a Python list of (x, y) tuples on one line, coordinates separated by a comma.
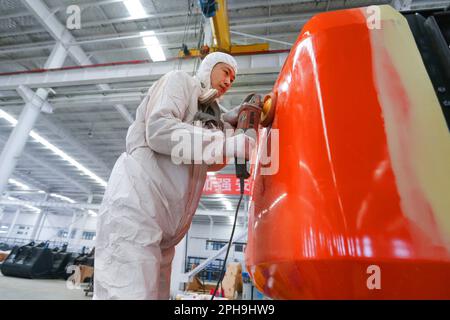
[(231, 239)]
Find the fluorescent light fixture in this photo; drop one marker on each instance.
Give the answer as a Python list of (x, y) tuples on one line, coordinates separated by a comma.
[(135, 8), (8, 117), (26, 205), (69, 159), (22, 185), (33, 208), (19, 184), (3, 227), (153, 47), (2, 231), (55, 195), (92, 213), (57, 151)]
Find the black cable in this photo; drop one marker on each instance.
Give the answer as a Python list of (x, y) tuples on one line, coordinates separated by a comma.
[(186, 27), (231, 239)]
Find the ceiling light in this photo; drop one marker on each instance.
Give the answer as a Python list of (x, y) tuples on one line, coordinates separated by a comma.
[(33, 208), (56, 150), (8, 117), (135, 8), (92, 213), (55, 195), (26, 205), (19, 184), (22, 185), (153, 47), (69, 159)]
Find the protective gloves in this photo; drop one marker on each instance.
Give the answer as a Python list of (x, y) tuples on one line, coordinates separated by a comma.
[(232, 115)]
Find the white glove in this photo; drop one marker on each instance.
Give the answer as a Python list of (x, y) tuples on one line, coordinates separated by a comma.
[(231, 116), (240, 146)]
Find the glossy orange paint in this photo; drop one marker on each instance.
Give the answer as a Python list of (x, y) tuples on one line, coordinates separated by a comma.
[(333, 208)]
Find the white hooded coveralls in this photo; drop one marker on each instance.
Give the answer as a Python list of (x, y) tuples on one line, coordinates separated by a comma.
[(149, 202)]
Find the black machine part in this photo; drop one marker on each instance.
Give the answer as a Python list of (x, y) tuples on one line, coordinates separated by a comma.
[(431, 31), (209, 115), (249, 118)]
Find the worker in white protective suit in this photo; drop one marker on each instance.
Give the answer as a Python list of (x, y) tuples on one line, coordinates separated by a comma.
[(150, 200)]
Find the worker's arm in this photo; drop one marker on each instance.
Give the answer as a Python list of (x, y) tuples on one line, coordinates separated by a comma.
[(165, 131), (229, 120)]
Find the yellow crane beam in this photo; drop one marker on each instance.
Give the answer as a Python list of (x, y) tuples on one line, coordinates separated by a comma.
[(221, 33), (220, 27)]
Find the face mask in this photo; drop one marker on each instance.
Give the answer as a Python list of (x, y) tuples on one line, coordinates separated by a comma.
[(208, 97)]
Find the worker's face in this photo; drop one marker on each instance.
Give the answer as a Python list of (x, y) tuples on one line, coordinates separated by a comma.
[(222, 76)]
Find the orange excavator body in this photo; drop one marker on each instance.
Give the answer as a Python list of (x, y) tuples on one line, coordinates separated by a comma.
[(357, 208)]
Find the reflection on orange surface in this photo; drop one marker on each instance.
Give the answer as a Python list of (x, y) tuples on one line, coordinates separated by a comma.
[(340, 201)]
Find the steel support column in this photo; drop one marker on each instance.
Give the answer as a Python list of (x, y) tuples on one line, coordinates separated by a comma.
[(41, 226), (18, 138), (38, 222), (61, 34), (71, 227)]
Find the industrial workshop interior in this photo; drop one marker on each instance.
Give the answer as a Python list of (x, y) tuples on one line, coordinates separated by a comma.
[(225, 150)]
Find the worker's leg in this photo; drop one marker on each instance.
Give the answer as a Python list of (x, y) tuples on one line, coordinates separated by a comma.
[(165, 271), (127, 255)]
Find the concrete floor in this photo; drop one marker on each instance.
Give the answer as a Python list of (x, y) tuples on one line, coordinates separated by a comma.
[(36, 289)]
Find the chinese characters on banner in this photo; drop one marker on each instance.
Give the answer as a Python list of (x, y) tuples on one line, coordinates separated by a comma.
[(225, 184)]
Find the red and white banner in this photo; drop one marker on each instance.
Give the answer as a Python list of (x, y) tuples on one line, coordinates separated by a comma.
[(225, 184)]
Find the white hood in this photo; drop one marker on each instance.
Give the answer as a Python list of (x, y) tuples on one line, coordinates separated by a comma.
[(204, 71)]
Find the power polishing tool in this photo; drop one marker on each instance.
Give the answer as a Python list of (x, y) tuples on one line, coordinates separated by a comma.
[(253, 112)]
